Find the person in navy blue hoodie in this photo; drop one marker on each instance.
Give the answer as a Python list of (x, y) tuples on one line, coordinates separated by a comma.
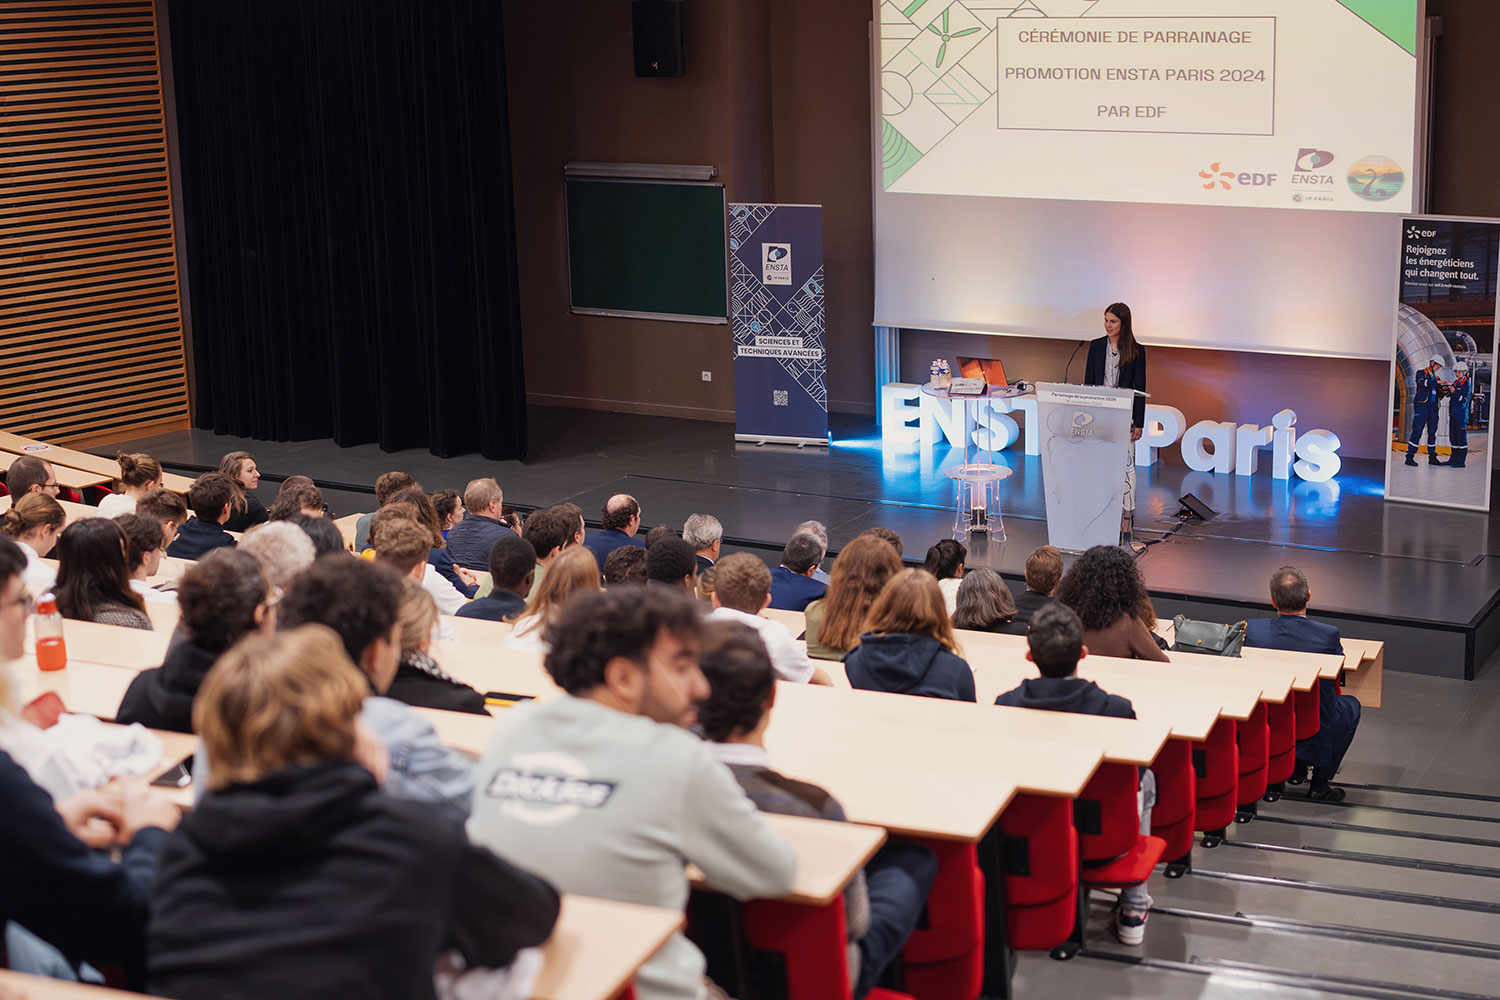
[(792, 585), (1338, 713), (54, 879), (210, 497), (907, 646), (1055, 645), (512, 569)]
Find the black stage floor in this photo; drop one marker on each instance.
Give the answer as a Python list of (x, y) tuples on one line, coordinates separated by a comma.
[(1425, 580)]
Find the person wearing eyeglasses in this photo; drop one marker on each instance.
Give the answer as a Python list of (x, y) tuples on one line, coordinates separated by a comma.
[(29, 474)]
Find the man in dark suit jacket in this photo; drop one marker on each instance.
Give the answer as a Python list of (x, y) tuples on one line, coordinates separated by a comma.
[(792, 585), (622, 520), (1339, 713)]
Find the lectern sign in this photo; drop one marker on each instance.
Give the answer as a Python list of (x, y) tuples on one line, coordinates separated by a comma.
[(1085, 438)]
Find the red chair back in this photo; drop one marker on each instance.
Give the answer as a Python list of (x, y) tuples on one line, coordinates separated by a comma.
[(1040, 857), (813, 940), (1254, 739), (1309, 711), (1176, 797), (1107, 813), (1216, 762)]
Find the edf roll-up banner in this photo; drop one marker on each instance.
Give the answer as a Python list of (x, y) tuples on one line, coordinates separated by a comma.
[(776, 287), (1443, 363)]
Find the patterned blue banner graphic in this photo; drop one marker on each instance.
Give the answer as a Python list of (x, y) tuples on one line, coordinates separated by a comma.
[(776, 286)]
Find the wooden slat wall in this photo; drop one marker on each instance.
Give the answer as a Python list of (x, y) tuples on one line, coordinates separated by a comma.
[(90, 322)]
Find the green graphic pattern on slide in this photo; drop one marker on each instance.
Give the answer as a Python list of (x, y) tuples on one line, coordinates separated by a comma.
[(896, 154), (1395, 19)]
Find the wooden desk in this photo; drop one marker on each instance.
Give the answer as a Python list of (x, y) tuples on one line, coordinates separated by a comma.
[(89, 688), (73, 479), (347, 525), (74, 511), (477, 631), (829, 855), (1365, 662), (598, 946), (164, 617), (58, 455), (19, 986), (135, 649), (488, 668), (795, 621)]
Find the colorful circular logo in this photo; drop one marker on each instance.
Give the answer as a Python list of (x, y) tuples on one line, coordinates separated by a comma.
[(1376, 178)]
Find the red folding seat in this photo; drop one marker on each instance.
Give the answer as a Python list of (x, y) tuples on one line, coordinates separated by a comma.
[(944, 958), (1309, 711), (813, 944), (1216, 763), (1282, 752), (1176, 804), (1253, 736), (1040, 859)]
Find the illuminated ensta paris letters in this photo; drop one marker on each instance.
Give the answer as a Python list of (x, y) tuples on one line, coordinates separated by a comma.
[(910, 418)]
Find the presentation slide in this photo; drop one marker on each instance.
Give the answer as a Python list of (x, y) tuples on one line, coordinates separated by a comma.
[(1256, 149)]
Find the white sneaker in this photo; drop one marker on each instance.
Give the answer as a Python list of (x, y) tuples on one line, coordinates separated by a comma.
[(1130, 925)]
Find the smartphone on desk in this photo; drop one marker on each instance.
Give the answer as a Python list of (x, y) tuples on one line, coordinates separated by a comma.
[(504, 699), (180, 776)]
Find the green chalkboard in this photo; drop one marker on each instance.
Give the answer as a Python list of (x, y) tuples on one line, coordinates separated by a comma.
[(655, 248)]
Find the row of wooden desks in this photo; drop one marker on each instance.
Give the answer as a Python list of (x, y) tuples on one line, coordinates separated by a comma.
[(78, 461)]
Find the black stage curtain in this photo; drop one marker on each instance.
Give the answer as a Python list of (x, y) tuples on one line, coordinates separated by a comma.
[(349, 221)]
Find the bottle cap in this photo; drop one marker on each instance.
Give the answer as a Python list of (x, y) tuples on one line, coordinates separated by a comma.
[(46, 605)]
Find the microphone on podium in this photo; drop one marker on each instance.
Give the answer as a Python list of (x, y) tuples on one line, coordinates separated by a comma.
[(1069, 365)]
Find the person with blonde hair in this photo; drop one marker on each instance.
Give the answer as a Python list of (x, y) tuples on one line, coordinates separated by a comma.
[(34, 521), (402, 542), (246, 510), (139, 475), (420, 682), (282, 549), (295, 876), (574, 571), (908, 645), (834, 622)]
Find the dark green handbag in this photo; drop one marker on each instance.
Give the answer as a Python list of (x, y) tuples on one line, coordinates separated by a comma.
[(1190, 636)]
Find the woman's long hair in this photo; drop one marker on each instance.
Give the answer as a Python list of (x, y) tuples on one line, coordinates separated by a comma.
[(92, 569), (911, 603), (230, 465), (1127, 343), (983, 600), (859, 574), (572, 571)]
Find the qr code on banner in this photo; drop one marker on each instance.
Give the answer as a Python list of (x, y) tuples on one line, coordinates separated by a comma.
[(779, 398)]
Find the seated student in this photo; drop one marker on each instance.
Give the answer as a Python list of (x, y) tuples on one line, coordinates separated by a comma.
[(1044, 568), (549, 531), (283, 550), (450, 509), (576, 512), (573, 572), (628, 660), (1106, 590), (704, 591), (298, 495), (819, 531), (210, 497), (386, 486), (985, 604), (403, 544), (139, 475), (54, 878), (224, 596), (325, 535), (33, 522), (420, 681), (93, 576), (295, 876), (621, 515), (29, 474), (246, 510), (362, 602), (860, 572), (1338, 713), (167, 508), (420, 507), (470, 540), (144, 547), (1152, 623), (659, 532), (945, 561), (742, 590), (706, 535), (884, 902), (1056, 645), (885, 534), (907, 646), (627, 564), (792, 585), (512, 567), (671, 562)]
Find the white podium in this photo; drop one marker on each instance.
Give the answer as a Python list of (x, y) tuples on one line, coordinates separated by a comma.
[(1085, 441)]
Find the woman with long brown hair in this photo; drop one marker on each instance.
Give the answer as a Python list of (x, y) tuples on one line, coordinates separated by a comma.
[(1117, 360), (139, 475), (35, 521), (574, 570), (93, 576), (908, 646), (835, 621), (245, 509)]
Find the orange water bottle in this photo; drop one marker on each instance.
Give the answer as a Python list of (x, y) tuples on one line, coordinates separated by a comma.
[(51, 650)]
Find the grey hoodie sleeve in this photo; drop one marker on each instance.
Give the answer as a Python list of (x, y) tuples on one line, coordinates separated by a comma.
[(726, 836)]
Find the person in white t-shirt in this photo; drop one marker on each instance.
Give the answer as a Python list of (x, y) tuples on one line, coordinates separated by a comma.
[(139, 475), (742, 590), (945, 560), (34, 521), (145, 545)]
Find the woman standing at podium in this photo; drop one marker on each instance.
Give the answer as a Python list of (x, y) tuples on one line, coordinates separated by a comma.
[(1118, 362)]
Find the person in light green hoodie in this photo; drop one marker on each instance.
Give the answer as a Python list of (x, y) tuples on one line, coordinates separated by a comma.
[(604, 792)]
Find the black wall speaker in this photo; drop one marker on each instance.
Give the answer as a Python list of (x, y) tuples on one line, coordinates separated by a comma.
[(1193, 507), (657, 26)]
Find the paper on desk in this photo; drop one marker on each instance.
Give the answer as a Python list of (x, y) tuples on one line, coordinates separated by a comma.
[(516, 981), (80, 752)]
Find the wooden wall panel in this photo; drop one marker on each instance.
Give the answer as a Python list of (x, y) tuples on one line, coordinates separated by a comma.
[(91, 345)]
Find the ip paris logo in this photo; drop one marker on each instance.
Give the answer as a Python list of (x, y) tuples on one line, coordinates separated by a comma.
[(775, 263)]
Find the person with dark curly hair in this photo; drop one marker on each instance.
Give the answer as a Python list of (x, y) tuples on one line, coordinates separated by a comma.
[(224, 595), (605, 792), (1105, 588)]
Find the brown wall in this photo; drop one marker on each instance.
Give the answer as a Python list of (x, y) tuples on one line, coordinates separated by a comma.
[(777, 97)]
